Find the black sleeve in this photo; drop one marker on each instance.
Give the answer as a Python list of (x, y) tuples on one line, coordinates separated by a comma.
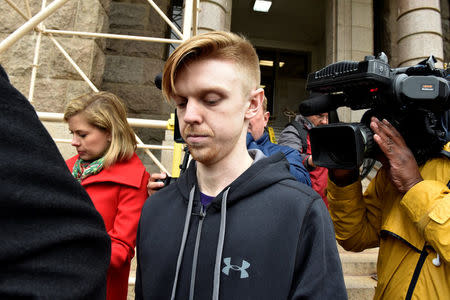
[(318, 270), (53, 242), (138, 284)]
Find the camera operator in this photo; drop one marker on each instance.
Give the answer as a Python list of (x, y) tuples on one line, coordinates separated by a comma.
[(405, 211), (296, 135)]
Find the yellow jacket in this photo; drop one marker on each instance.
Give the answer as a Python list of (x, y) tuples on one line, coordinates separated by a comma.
[(401, 225)]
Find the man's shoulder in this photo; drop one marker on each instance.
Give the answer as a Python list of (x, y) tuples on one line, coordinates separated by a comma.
[(290, 153), (291, 190), (163, 198)]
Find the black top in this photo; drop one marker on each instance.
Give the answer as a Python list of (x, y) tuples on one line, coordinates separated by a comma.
[(278, 244), (53, 243)]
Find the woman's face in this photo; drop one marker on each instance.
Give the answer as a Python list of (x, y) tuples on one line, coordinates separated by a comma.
[(91, 142)]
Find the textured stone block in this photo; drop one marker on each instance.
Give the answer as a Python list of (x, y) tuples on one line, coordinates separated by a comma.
[(419, 46), (155, 22), (136, 48), (97, 65), (61, 131), (82, 15), (10, 19), (140, 99), (224, 4), (362, 14), (211, 16), (21, 83), (362, 39), (91, 16), (419, 21), (106, 5), (135, 70), (50, 95), (64, 17), (405, 6), (127, 15), (76, 88), (18, 58)]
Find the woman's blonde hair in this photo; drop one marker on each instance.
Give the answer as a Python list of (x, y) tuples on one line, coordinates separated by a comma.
[(216, 45), (107, 112)]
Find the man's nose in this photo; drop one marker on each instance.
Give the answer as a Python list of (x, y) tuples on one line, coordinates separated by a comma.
[(193, 112)]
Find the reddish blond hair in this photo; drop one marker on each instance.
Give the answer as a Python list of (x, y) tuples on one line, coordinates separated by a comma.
[(214, 45)]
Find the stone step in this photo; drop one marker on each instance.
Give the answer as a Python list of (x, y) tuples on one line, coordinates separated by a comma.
[(359, 263), (358, 287), (358, 268)]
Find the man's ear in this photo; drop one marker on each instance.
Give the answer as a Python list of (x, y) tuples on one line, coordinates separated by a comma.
[(266, 117), (255, 103)]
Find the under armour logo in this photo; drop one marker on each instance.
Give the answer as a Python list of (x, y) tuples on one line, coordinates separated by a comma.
[(228, 266)]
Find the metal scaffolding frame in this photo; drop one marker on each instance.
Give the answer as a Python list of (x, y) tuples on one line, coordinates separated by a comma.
[(35, 23)]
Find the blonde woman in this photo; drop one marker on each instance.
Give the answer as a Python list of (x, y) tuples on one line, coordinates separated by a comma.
[(111, 173)]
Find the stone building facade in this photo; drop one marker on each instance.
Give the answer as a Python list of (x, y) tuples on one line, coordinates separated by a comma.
[(319, 32)]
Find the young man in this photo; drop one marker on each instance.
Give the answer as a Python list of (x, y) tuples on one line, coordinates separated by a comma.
[(257, 138), (235, 225)]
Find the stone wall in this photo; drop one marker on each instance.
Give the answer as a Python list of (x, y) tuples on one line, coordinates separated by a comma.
[(126, 68), (445, 19), (57, 81), (131, 66)]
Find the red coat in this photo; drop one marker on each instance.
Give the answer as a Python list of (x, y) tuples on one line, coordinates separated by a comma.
[(118, 193), (319, 177)]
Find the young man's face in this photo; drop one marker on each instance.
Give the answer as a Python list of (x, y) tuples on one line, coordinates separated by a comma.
[(212, 109)]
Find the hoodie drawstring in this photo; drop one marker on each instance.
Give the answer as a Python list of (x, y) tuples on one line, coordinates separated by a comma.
[(218, 263), (223, 219), (183, 241)]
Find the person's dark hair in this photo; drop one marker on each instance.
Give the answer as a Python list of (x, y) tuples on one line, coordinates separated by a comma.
[(425, 142)]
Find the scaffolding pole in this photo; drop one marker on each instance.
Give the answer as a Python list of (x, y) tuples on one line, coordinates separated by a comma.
[(112, 36), (187, 22), (30, 24), (165, 18), (134, 122)]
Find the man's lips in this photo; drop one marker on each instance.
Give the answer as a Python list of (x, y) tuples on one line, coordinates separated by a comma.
[(196, 138)]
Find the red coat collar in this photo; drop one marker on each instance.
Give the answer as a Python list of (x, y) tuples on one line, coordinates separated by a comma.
[(128, 172)]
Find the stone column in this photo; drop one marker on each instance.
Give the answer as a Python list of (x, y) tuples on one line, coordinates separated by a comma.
[(419, 31), (214, 15), (352, 38)]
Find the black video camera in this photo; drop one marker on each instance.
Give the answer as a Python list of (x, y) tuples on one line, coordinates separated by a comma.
[(413, 99)]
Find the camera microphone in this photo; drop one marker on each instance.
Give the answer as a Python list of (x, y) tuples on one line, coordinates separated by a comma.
[(158, 80), (318, 104)]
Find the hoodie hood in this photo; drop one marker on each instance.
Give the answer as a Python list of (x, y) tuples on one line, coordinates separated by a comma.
[(264, 172)]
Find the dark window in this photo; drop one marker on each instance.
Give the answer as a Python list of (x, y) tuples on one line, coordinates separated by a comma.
[(278, 65)]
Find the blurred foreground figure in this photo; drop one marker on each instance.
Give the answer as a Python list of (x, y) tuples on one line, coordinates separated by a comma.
[(53, 243)]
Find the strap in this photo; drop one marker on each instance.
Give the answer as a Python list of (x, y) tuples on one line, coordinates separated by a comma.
[(302, 133), (272, 137), (415, 277), (445, 153)]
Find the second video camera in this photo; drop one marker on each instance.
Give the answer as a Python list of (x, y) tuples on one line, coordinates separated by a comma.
[(416, 96)]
